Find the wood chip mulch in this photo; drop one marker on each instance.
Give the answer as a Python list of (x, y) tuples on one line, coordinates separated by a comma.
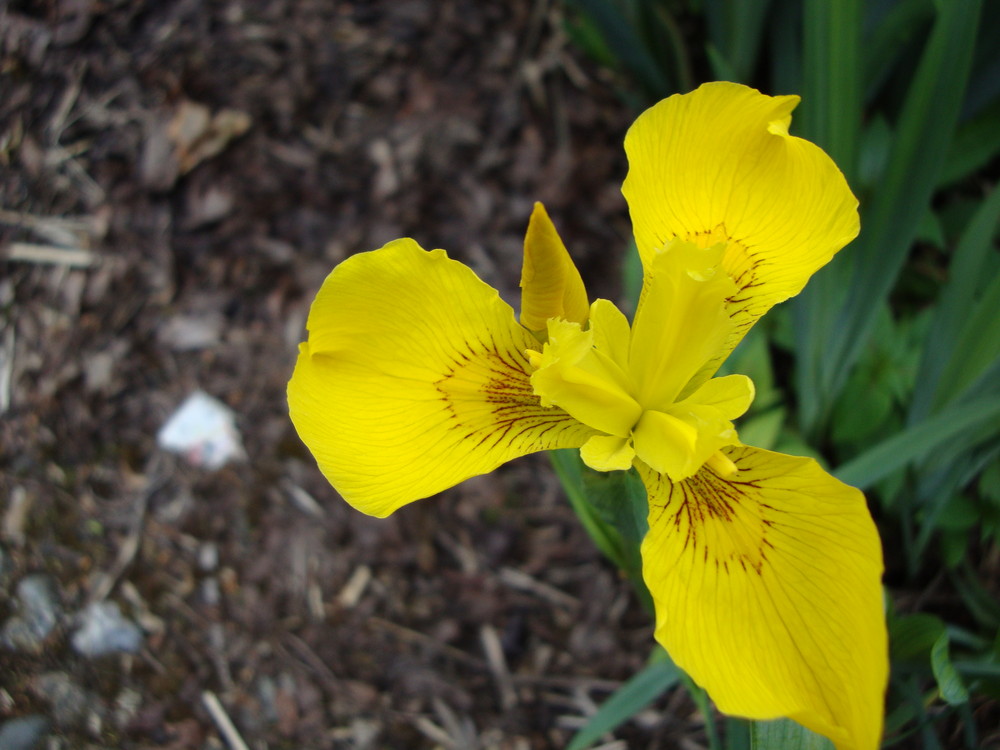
[(176, 180)]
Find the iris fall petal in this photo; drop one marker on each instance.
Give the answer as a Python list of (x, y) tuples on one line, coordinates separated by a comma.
[(766, 585), (415, 378)]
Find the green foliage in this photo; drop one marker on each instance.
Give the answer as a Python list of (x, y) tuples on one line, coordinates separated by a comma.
[(647, 685), (612, 507), (894, 348), (785, 735)]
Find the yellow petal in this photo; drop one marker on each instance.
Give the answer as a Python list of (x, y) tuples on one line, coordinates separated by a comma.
[(666, 443), (584, 381), (681, 322), (611, 332), (551, 286), (415, 378), (767, 592), (608, 453), (730, 396), (677, 441), (718, 165)]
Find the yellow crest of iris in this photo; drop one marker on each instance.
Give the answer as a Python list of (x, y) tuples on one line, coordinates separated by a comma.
[(764, 569)]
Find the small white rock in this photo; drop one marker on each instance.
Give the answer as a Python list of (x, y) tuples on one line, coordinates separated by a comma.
[(104, 630), (203, 430)]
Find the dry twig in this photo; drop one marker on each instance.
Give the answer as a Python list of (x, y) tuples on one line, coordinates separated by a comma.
[(222, 721), (498, 665), (523, 582), (73, 257)]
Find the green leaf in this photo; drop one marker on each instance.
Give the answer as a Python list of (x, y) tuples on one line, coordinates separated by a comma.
[(890, 36), (913, 707), (721, 68), (941, 477), (641, 690), (792, 443), (978, 668), (586, 35), (954, 547), (891, 219), (620, 499), (989, 483), (969, 268), (830, 116), (977, 347), (784, 41), (785, 734), (979, 600), (917, 441), (976, 143), (866, 402), (831, 93), (608, 540), (612, 507), (753, 358), (631, 278), (626, 44), (737, 734), (704, 704), (735, 32), (762, 430), (950, 684), (876, 141), (930, 230), (665, 36), (960, 514), (911, 637)]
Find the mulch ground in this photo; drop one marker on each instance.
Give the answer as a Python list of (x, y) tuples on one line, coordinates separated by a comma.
[(176, 179)]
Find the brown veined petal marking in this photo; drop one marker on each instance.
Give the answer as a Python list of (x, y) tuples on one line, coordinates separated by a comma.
[(414, 378), (767, 592)]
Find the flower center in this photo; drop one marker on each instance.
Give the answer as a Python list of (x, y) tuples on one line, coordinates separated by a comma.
[(644, 387)]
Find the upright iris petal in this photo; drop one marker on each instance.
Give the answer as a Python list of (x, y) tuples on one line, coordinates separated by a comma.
[(719, 166), (764, 569), (682, 320), (551, 286)]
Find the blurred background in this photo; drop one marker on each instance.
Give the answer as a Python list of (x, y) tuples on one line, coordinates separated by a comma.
[(176, 180)]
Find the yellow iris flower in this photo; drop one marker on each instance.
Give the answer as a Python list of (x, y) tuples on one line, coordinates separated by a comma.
[(764, 569)]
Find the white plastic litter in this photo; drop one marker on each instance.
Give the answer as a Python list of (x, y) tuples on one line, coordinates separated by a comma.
[(203, 430)]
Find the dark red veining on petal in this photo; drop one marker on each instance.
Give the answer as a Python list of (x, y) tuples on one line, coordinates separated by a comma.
[(707, 498), (487, 391)]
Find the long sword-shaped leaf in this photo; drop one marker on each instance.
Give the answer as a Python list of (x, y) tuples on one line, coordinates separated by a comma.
[(568, 468), (890, 35), (785, 734), (735, 32), (830, 115), (976, 143), (890, 221), (612, 508), (626, 43), (784, 41), (937, 490), (641, 690), (969, 267), (977, 347), (917, 441)]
